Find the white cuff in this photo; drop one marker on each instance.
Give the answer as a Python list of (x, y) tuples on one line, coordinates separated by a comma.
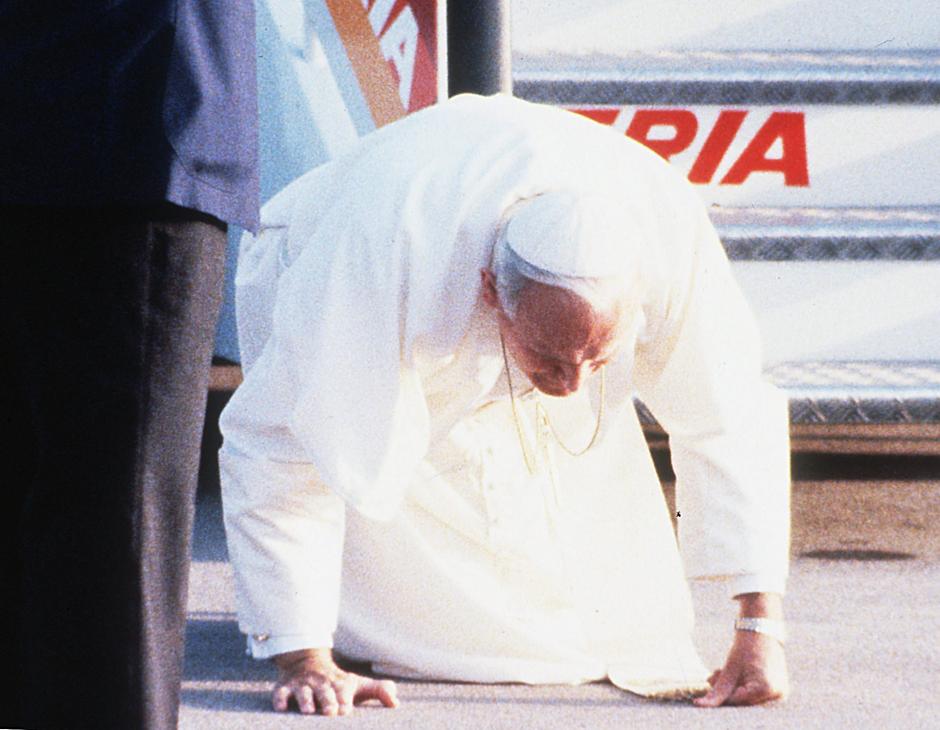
[(757, 583), (263, 646)]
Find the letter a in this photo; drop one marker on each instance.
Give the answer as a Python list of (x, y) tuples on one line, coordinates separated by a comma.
[(790, 129)]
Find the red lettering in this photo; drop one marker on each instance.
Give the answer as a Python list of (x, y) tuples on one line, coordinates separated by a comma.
[(716, 145), (790, 129), (681, 120), (403, 29), (604, 116)]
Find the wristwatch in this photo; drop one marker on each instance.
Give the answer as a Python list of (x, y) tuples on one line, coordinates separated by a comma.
[(770, 626)]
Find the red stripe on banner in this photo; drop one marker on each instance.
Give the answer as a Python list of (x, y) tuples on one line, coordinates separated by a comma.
[(407, 35), (376, 81)]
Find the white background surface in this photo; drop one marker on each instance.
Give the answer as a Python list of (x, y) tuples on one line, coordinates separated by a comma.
[(612, 26)]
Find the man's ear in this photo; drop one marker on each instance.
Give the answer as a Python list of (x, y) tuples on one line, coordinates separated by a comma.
[(488, 280)]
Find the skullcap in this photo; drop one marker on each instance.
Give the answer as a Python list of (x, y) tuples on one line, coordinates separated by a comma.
[(572, 234)]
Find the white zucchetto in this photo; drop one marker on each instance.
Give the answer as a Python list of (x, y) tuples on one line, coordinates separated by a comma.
[(573, 234)]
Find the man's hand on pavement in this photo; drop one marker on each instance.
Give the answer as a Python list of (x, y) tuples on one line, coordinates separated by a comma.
[(318, 685), (755, 672), (756, 668)]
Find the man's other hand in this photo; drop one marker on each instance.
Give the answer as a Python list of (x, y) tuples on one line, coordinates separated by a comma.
[(755, 672), (317, 685)]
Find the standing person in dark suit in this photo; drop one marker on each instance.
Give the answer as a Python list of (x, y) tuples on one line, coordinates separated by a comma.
[(127, 144)]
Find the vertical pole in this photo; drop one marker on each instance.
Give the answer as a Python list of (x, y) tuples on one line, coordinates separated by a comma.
[(478, 47)]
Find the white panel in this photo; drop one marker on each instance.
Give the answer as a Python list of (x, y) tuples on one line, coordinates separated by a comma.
[(615, 26), (845, 310)]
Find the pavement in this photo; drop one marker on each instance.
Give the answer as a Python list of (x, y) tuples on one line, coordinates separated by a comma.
[(863, 617)]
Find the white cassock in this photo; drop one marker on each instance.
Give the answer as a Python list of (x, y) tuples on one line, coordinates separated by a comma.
[(374, 379)]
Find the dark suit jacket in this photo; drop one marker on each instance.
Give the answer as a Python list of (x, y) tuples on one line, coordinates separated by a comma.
[(130, 101)]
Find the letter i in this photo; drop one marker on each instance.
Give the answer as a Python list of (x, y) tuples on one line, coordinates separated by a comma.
[(716, 145)]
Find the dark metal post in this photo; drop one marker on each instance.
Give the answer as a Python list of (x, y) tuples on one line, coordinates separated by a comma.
[(478, 47)]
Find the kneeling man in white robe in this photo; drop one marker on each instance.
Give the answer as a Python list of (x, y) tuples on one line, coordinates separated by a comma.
[(434, 463)]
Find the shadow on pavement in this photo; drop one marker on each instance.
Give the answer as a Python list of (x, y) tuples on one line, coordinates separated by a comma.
[(215, 651), (228, 700), (209, 531)]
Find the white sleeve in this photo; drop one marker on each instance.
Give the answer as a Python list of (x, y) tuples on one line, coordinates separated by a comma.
[(700, 375), (285, 541), (326, 417), (335, 363)]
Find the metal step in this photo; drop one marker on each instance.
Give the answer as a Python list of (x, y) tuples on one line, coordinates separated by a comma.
[(731, 77), (853, 407), (860, 392), (829, 234)]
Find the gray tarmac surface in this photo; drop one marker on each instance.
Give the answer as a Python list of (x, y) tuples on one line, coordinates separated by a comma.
[(864, 650)]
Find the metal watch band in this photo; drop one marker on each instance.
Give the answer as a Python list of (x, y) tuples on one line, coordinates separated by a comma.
[(769, 626)]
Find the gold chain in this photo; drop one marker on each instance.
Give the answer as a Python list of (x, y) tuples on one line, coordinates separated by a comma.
[(543, 418)]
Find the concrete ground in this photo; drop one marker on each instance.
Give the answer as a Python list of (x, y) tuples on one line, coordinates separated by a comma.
[(864, 621)]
